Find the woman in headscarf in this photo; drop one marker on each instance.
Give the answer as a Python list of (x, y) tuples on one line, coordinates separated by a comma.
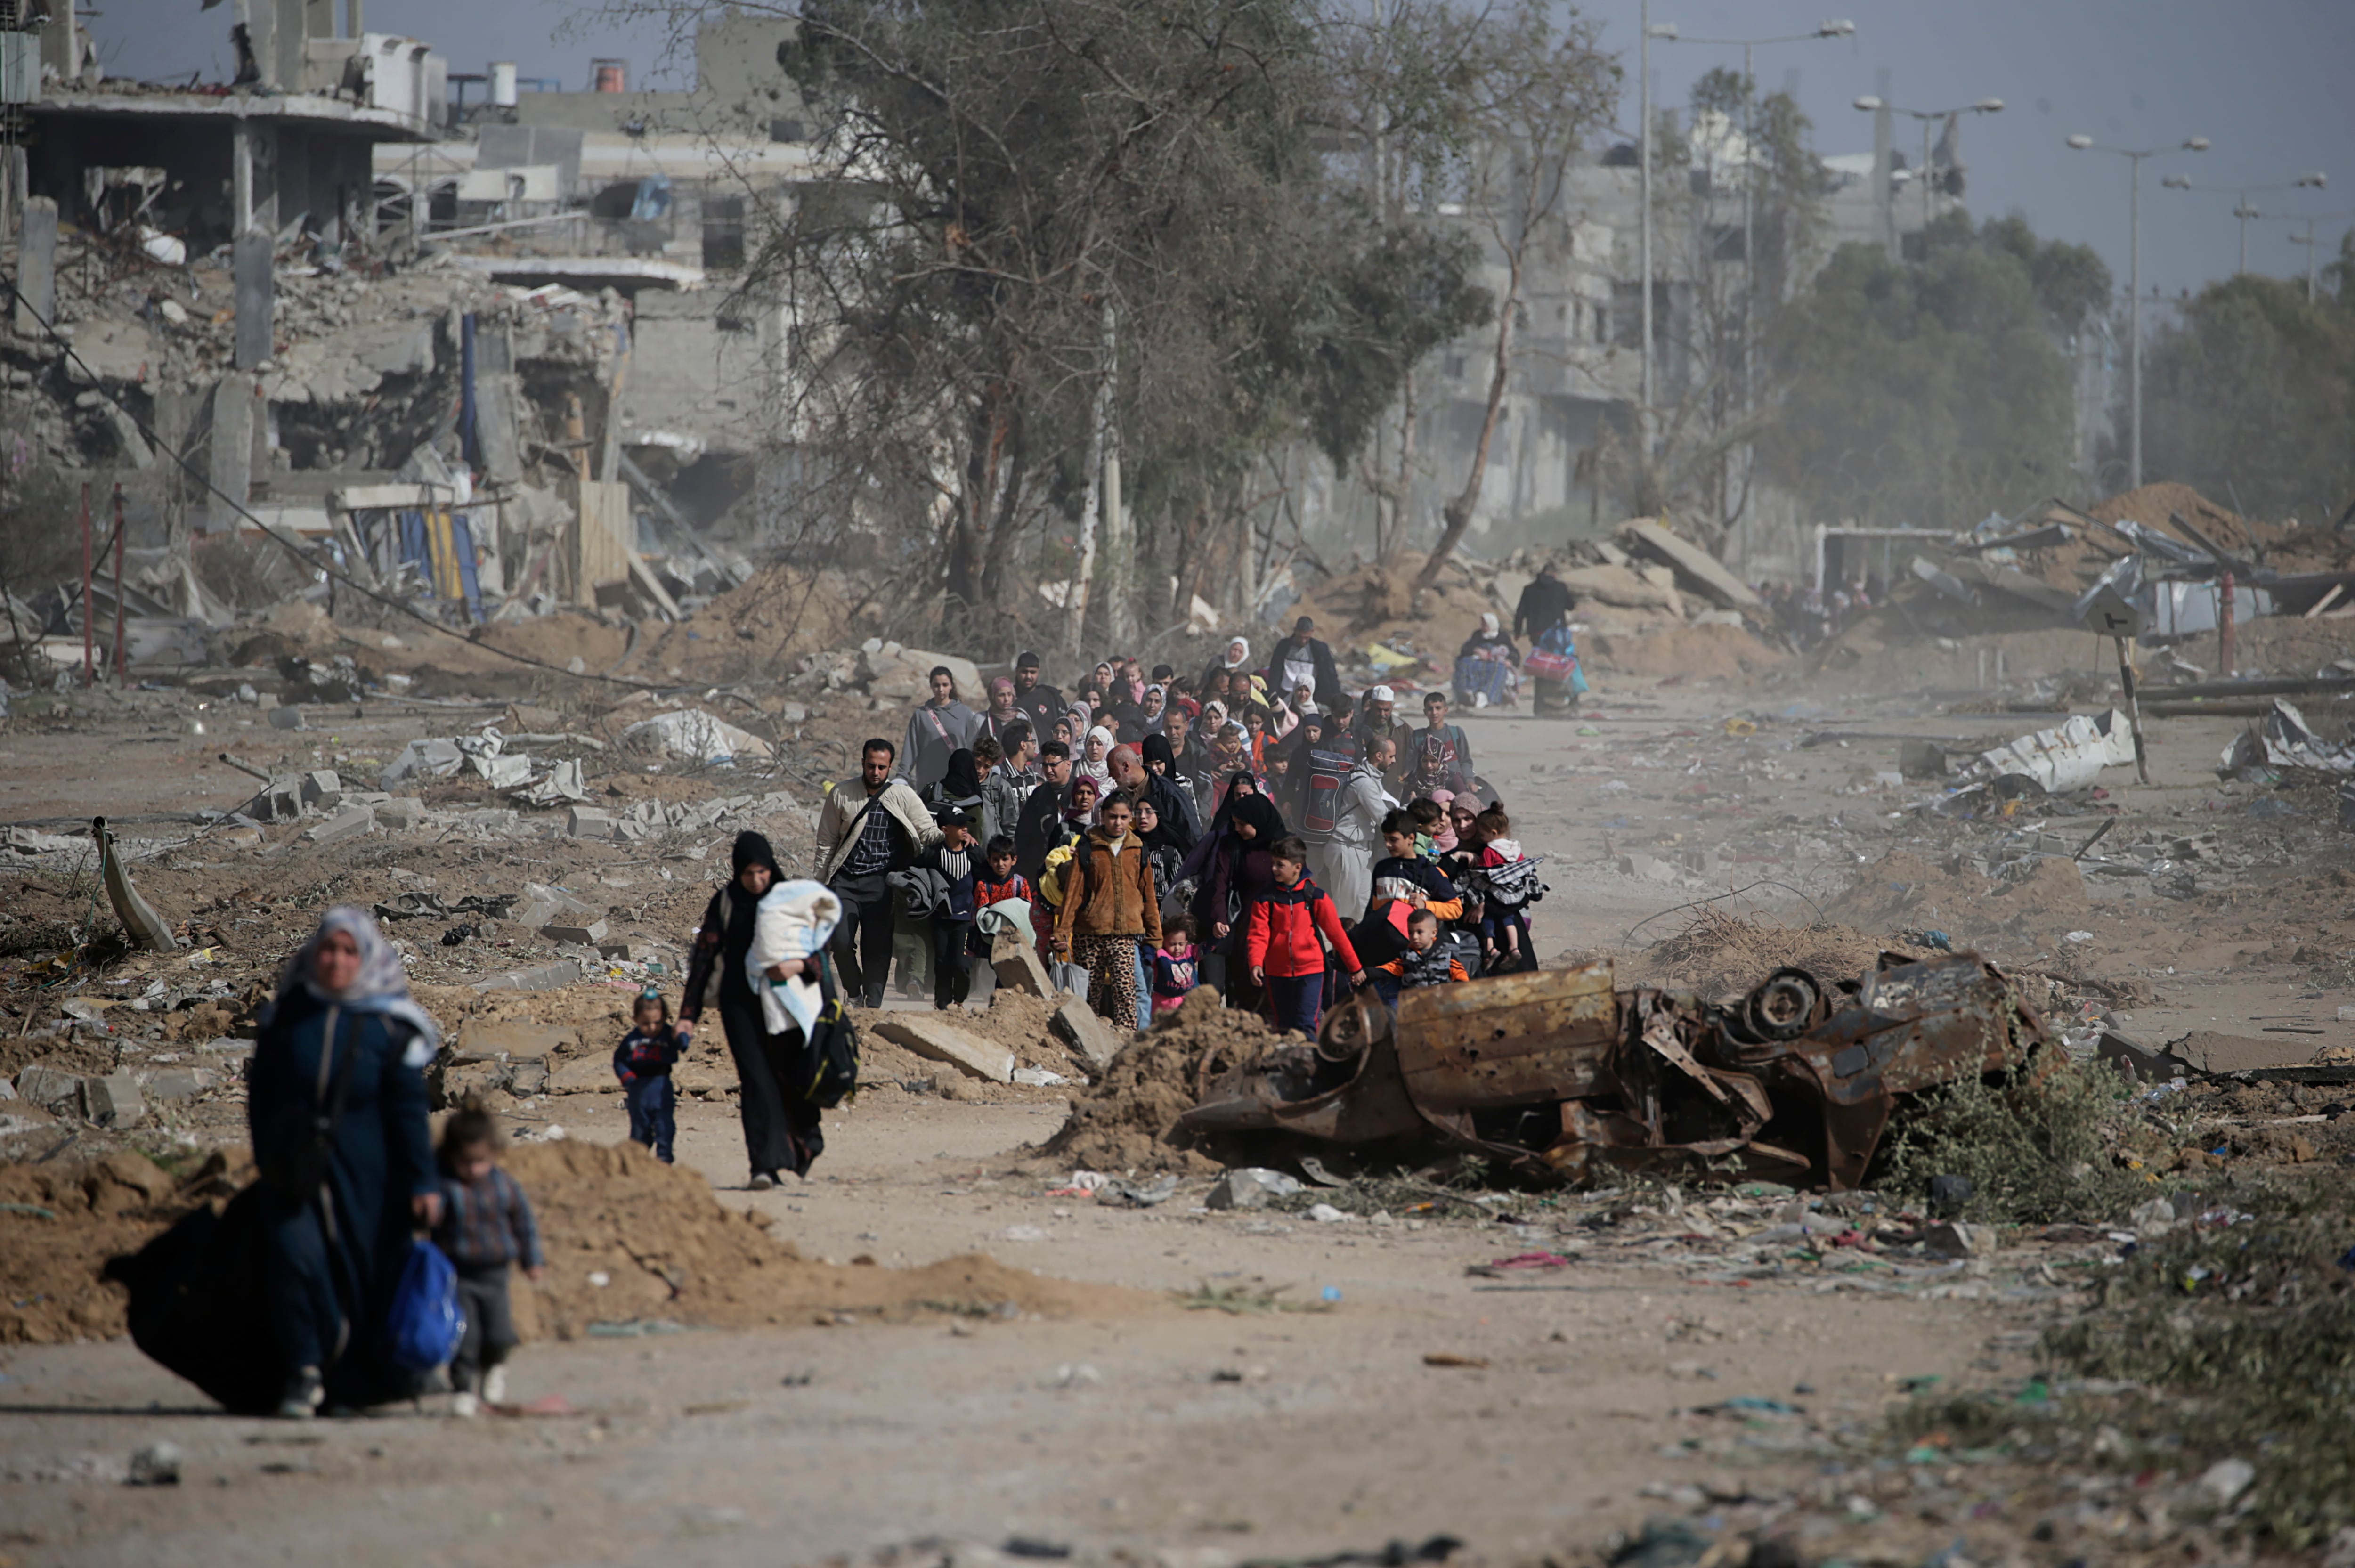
[(1288, 765), (959, 789), (781, 1128), (1080, 806), (1154, 711), (1094, 759), (1002, 714), (937, 728), (1240, 873), (335, 1106), (1236, 663), (1487, 667)]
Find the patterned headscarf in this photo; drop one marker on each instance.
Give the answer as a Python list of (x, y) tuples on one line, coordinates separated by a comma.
[(381, 987)]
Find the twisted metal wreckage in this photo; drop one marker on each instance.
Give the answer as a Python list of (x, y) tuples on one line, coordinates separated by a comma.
[(1562, 1076)]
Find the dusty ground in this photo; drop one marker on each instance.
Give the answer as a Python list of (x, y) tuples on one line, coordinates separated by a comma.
[(1190, 1438)]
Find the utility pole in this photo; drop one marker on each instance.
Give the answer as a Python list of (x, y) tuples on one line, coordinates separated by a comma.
[(1644, 245), (2133, 158)]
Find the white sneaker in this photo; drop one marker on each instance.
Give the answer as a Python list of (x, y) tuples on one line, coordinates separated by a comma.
[(465, 1406), (495, 1386)]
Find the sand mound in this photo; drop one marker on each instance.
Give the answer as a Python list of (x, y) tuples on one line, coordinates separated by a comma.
[(667, 1248), (665, 1245), (1719, 953), (61, 1224), (1122, 1125)]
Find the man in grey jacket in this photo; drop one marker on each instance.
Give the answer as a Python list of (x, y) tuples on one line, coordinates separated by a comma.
[(871, 826), (1346, 860)]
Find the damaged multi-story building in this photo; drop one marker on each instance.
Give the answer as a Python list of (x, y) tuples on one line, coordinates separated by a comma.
[(468, 334)]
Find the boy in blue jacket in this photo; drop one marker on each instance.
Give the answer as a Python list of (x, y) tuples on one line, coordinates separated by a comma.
[(642, 1062)]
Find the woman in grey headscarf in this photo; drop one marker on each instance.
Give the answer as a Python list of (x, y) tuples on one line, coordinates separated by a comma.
[(1154, 709), (335, 1105)]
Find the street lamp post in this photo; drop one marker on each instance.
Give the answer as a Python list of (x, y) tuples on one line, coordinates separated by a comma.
[(2242, 209), (2134, 285), (1872, 106), (1666, 32), (2306, 240)]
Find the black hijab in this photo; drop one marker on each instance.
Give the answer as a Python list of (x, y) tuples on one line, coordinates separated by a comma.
[(752, 849), (963, 781), (1156, 749)]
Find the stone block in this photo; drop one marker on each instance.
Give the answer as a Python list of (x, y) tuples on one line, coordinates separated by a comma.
[(1096, 1041), (322, 788), (113, 1101), (584, 1075), (287, 719), (180, 1082), (546, 977), (349, 822), (708, 1078), (588, 822), (587, 935), (1016, 963), (400, 812), (933, 1037), (53, 1089)]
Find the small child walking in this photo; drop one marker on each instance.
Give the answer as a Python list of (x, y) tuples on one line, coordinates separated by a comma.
[(1175, 965), (642, 1062), (486, 1227)]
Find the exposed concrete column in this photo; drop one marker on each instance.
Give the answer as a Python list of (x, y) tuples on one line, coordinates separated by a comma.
[(36, 266), (255, 289), (230, 465), (241, 177), (352, 27)]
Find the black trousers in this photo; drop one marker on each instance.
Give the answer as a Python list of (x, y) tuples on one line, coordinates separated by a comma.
[(862, 943), (951, 961), (781, 1128)]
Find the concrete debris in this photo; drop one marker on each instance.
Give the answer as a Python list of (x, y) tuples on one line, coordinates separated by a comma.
[(1697, 570), (351, 822), (1093, 1039), (897, 674), (1014, 958), (689, 734), (2283, 740), (933, 1037)]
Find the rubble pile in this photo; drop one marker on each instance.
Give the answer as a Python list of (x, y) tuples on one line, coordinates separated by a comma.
[(1126, 1121)]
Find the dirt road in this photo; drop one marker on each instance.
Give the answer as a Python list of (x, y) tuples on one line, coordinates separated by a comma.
[(1195, 1438)]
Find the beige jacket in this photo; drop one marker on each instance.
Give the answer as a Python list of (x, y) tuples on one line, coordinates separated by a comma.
[(842, 803)]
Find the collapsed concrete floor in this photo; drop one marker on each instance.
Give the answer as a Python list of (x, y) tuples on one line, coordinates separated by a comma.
[(1683, 1358)]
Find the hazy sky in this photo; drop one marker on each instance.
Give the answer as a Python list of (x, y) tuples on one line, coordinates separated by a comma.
[(2262, 80)]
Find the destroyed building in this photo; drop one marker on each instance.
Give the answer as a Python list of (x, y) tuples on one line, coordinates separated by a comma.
[(483, 358)]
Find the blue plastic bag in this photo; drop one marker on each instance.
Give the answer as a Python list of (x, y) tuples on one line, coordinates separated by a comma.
[(423, 1326)]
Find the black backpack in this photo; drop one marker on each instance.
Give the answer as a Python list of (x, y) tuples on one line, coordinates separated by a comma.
[(830, 1054)]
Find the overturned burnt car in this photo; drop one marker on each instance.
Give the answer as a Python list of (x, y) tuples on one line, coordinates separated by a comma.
[(1560, 1074)]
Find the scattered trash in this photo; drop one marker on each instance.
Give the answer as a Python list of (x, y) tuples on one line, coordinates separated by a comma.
[(157, 1464), (1450, 1359), (1250, 1187)]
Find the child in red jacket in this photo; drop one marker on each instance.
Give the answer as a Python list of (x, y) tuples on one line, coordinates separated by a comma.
[(1281, 939)]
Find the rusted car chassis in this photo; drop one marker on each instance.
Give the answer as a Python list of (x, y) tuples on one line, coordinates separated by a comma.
[(1562, 1076)]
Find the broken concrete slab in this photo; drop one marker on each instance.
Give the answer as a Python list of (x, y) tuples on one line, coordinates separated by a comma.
[(349, 822), (179, 1084), (1250, 1187), (400, 812), (546, 977), (1096, 1041), (287, 719), (586, 1075), (517, 1040), (587, 935), (113, 1100), (53, 1089), (588, 822), (322, 788), (1697, 570), (933, 1037), (1015, 962)]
